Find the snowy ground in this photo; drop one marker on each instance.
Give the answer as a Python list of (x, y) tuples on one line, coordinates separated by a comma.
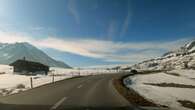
[(12, 83), (168, 96)]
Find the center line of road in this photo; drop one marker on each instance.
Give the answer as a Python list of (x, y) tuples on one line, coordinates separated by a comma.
[(58, 103), (80, 86)]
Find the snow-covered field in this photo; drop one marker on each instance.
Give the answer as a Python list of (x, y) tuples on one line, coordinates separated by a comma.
[(12, 83), (168, 95)]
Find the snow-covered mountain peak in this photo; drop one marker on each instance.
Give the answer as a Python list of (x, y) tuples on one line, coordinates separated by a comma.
[(12, 52)]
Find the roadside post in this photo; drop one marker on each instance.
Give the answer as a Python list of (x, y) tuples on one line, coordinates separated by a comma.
[(72, 74), (53, 77), (79, 71), (31, 82), (52, 74)]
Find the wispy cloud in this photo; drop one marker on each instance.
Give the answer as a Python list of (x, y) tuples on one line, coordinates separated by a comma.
[(112, 28), (37, 28), (126, 23), (127, 20), (107, 50), (72, 7)]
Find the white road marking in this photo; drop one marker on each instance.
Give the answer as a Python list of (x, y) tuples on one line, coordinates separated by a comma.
[(58, 103), (80, 86)]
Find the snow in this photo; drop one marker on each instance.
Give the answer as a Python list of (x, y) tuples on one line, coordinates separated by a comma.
[(164, 95), (6, 80), (6, 69), (183, 57), (14, 51), (188, 73), (9, 81), (167, 63), (108, 66), (179, 65), (192, 49), (83, 72), (5, 54)]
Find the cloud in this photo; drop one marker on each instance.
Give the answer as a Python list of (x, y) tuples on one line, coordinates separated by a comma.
[(72, 7), (125, 25), (107, 50), (112, 28), (127, 21), (37, 28), (6, 37), (111, 51), (134, 57)]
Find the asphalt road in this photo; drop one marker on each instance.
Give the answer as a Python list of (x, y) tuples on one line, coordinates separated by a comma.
[(84, 93)]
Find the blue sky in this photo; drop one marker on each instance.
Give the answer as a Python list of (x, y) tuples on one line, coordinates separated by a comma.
[(99, 32)]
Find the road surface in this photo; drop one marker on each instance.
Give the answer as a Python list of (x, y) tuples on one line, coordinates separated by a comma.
[(84, 93)]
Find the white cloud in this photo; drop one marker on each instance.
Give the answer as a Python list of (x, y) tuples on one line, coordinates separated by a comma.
[(134, 57), (6, 37), (111, 51), (107, 50), (72, 7)]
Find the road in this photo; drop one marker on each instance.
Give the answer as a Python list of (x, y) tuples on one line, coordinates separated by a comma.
[(84, 93)]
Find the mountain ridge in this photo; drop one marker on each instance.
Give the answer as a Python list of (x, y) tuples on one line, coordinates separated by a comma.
[(12, 52)]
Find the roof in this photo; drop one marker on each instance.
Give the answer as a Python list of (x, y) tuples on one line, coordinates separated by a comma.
[(25, 62)]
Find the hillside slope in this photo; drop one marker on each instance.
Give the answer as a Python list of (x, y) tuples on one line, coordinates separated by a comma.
[(181, 58), (12, 52)]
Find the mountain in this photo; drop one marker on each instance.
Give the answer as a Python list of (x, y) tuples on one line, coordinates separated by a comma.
[(182, 58), (12, 52)]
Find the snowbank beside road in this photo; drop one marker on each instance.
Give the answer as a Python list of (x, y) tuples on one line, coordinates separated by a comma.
[(89, 71), (166, 88), (12, 83)]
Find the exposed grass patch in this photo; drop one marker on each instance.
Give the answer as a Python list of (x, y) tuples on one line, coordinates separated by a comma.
[(36, 77), (150, 71), (192, 78), (74, 77), (6, 91), (2, 73), (170, 85), (132, 96), (187, 103), (174, 74), (20, 86)]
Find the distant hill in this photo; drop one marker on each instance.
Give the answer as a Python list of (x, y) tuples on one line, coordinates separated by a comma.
[(182, 58), (12, 52)]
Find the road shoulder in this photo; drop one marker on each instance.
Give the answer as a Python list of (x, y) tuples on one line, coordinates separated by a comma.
[(132, 96)]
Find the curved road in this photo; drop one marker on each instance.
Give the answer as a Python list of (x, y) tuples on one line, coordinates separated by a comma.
[(84, 93)]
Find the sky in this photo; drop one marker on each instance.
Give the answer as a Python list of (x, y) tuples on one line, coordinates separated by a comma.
[(85, 33)]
